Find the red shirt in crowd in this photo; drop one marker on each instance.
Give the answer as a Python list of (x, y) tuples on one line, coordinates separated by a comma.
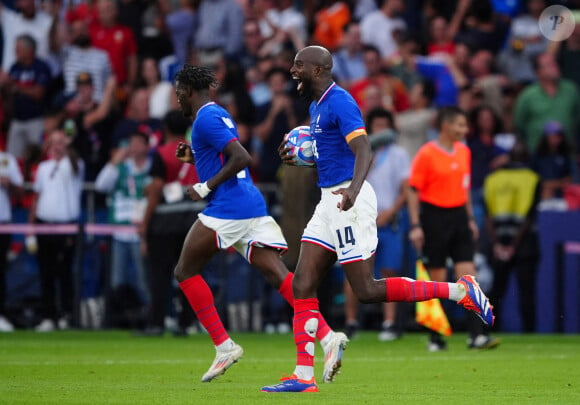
[(119, 42)]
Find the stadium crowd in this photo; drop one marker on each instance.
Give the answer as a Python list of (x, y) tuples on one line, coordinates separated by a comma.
[(93, 81)]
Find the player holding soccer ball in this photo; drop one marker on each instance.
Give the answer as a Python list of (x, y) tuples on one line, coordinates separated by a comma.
[(343, 226), (235, 215)]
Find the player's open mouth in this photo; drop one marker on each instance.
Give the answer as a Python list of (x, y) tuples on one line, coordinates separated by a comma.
[(299, 85)]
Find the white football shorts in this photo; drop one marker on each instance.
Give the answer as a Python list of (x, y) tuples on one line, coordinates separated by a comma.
[(351, 234), (244, 234)]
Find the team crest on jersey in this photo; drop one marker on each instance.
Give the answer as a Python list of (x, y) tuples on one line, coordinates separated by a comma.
[(317, 129)]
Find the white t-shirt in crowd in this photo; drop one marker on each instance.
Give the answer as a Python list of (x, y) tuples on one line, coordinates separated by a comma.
[(13, 25), (59, 190), (376, 29), (8, 168)]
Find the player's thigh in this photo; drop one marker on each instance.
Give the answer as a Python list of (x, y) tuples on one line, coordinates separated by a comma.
[(198, 248)]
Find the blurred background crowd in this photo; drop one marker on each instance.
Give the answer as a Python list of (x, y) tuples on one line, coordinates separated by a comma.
[(92, 81)]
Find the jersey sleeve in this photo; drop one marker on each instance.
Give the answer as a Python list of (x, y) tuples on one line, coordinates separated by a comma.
[(217, 130), (419, 170), (349, 119)]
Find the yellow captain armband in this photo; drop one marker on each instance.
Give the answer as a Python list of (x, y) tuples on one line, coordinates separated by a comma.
[(356, 133)]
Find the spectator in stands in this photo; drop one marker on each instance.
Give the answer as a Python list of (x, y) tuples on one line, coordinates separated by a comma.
[(403, 65), (220, 28), (379, 28), (484, 79), (568, 53), (119, 43), (486, 155), (25, 85), (81, 56), (285, 27), (10, 182), (525, 41), (253, 42), (161, 93), (414, 123), (329, 22), (388, 175), (89, 124), (57, 187), (124, 179), (446, 74), (392, 93), (440, 38), (153, 41), (348, 61), (181, 25), (552, 98), (511, 196), (553, 161), (483, 29), (138, 119), (166, 223), (274, 120), (29, 20)]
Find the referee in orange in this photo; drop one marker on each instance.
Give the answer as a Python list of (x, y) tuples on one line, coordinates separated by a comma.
[(440, 211)]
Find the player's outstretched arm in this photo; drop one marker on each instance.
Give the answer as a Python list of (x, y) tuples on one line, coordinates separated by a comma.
[(183, 153)]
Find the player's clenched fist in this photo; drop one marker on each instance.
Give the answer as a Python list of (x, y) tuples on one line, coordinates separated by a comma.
[(183, 153)]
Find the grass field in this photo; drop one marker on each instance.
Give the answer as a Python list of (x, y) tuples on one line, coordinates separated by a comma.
[(113, 367)]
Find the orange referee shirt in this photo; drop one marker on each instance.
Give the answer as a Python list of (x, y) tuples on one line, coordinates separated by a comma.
[(442, 178)]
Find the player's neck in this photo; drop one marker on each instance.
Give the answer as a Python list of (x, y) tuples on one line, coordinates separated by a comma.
[(200, 103), (321, 89)]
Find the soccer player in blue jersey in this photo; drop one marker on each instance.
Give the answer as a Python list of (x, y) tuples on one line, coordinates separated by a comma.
[(343, 225), (235, 216)]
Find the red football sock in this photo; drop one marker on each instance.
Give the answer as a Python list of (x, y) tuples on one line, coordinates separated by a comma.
[(305, 325), (201, 300), (408, 290), (286, 292)]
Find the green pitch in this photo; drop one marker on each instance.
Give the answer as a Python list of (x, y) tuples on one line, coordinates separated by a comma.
[(116, 368)]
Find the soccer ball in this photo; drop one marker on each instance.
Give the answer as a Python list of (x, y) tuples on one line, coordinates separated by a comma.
[(300, 143)]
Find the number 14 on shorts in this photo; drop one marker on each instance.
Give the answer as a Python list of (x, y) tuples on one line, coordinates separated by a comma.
[(345, 237)]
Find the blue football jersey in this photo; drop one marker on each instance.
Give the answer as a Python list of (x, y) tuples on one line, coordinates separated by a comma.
[(237, 197), (334, 121)]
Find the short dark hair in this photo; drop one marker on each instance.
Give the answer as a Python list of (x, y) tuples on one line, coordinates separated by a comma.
[(448, 114), (379, 113), (140, 134), (176, 123), (28, 40), (196, 77)]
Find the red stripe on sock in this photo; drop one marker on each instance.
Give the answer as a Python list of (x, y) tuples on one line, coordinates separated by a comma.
[(201, 300), (405, 289), (308, 307)]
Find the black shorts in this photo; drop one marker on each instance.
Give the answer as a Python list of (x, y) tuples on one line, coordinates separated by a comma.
[(447, 234)]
